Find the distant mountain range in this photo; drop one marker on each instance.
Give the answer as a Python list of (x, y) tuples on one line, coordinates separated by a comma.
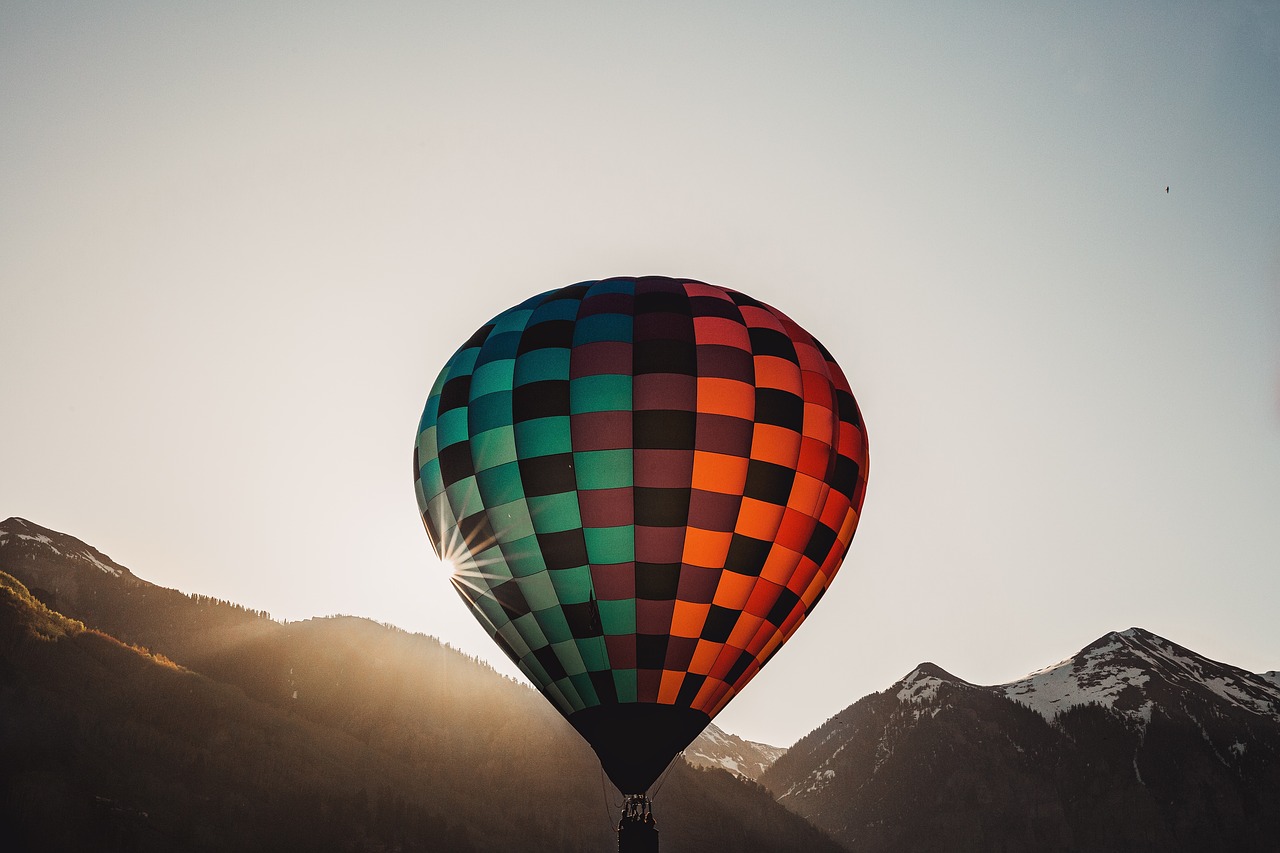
[(134, 717), (1133, 744)]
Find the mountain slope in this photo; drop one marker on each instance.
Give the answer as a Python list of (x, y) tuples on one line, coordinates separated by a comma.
[(1135, 744), (717, 748), (397, 740)]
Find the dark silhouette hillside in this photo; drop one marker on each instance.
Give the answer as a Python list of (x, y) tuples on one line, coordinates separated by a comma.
[(177, 722)]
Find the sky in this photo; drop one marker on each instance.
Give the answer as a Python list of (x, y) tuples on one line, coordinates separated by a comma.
[(238, 241)]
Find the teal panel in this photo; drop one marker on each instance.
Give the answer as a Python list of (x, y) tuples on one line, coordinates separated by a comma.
[(617, 617), (511, 524), (518, 645), (567, 653), (553, 624), (464, 497), (432, 482), (624, 681), (602, 327), (610, 544), (540, 364), (594, 655), (492, 565), (555, 513), (543, 437), (603, 469), (493, 447), (523, 555), (529, 628), (606, 392), (572, 586), (489, 412), (510, 321), (452, 427), (464, 361), (541, 595), (491, 377), (570, 693), (500, 485), (585, 688), (556, 309)]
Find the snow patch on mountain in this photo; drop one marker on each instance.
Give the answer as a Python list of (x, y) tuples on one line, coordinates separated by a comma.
[(717, 748)]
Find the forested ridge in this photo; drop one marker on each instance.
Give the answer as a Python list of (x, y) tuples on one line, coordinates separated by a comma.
[(140, 718)]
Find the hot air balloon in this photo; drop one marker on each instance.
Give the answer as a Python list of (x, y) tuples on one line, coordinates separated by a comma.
[(644, 486)]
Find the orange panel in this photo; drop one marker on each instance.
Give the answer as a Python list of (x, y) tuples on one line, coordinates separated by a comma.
[(761, 318), (670, 687), (719, 396), (817, 388), (706, 548), (733, 590), (762, 598), (815, 456), (795, 530), (704, 656), (742, 632), (780, 565), (719, 472), (819, 422), (775, 372), (776, 444), (720, 330), (706, 695), (688, 618), (759, 519), (806, 493)]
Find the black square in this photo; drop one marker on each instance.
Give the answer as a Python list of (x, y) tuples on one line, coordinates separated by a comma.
[(768, 482), (848, 408), (476, 532), (739, 667), (845, 478), (454, 393), (787, 600), (719, 624), (566, 549), (512, 600), (689, 689), (547, 657), (478, 338), (548, 398), (651, 651), (747, 555), (661, 507), (663, 429), (606, 691), (820, 543), (550, 333), (666, 301), (583, 619), (657, 581), (455, 462), (780, 408), (664, 356), (772, 342), (547, 475)]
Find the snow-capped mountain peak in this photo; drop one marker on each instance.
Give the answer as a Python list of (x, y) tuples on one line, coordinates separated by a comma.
[(920, 687), (1131, 671), (717, 748), (34, 541)]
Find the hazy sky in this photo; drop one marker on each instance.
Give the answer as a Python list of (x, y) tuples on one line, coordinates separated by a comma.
[(238, 241)]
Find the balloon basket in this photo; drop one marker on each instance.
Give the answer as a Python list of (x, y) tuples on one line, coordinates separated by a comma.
[(637, 832)]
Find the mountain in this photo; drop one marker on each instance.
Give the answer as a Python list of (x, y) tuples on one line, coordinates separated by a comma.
[(134, 717), (717, 748), (1134, 743)]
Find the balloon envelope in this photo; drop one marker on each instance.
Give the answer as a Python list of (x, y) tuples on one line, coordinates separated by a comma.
[(644, 485)]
